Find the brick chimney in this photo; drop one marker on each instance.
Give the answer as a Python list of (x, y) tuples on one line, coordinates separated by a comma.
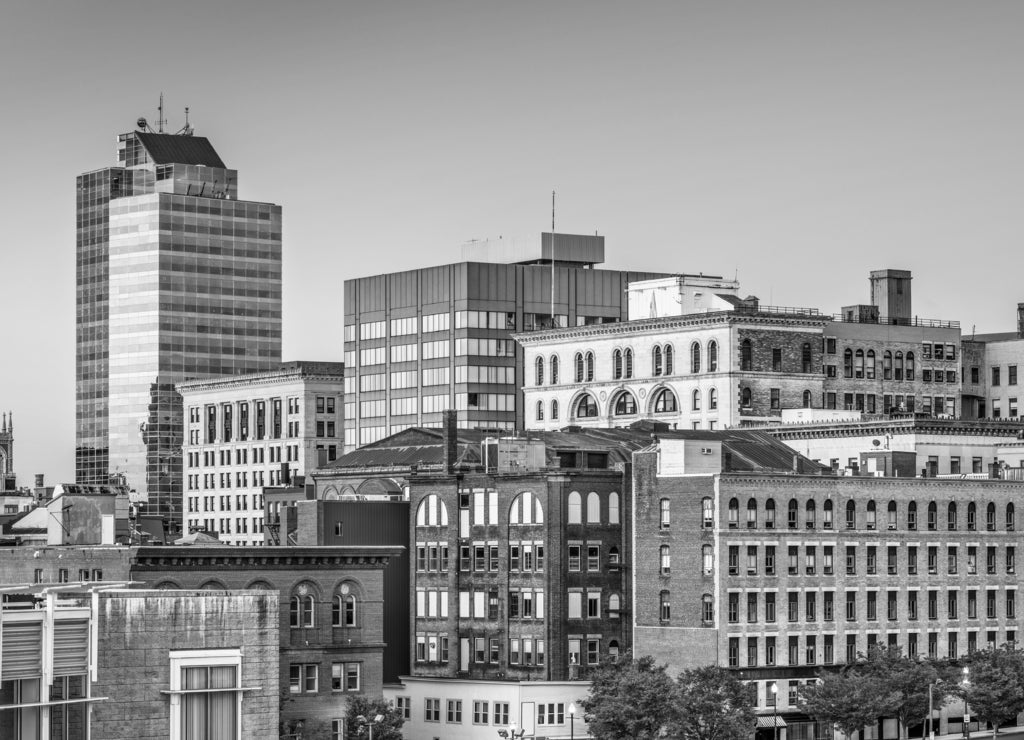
[(450, 436)]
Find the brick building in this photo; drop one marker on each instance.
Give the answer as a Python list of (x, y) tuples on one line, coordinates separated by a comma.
[(779, 576)]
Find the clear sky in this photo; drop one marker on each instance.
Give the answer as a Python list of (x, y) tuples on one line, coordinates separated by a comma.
[(800, 144)]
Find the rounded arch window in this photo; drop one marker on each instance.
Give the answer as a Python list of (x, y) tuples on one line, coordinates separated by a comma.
[(848, 363), (695, 357), (851, 515), (972, 516), (990, 517), (912, 515), (554, 369), (810, 512), (805, 357), (213, 585), (899, 366), (625, 404), (869, 365), (665, 402), (910, 366), (891, 513), (613, 648), (695, 400), (707, 609), (656, 361), (586, 407), (1011, 523), (431, 512), (554, 410), (302, 606), (578, 362), (872, 520), (826, 513), (575, 508), (617, 364), (590, 366), (791, 513), (713, 399), (769, 514), (526, 509), (344, 606), (613, 508), (951, 515), (593, 508), (751, 513), (933, 516), (540, 411), (712, 356), (745, 397), (858, 364), (746, 355), (734, 512), (539, 371), (614, 606), (807, 399), (627, 362), (668, 359)]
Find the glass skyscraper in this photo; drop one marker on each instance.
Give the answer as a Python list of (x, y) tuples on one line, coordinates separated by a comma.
[(176, 279)]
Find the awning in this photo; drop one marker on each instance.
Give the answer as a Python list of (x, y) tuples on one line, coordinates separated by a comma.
[(770, 721)]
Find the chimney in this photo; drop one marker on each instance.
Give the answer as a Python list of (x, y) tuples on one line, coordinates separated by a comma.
[(39, 480), (450, 436), (1020, 321)]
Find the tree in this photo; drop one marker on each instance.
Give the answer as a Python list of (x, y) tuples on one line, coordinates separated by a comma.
[(389, 728), (994, 690), (629, 700), (846, 699), (712, 704)]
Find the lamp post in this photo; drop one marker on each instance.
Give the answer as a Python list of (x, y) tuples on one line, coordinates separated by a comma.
[(967, 711), (572, 722), (775, 711), (364, 723), (512, 732), (931, 713)]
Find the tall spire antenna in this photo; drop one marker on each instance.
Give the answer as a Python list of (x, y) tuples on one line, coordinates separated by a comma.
[(552, 259), (160, 115)]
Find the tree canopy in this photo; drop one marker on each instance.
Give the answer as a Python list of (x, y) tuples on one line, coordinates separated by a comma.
[(712, 704), (994, 686), (362, 710)]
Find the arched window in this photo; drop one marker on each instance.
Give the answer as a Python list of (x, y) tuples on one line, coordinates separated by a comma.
[(343, 610), (990, 517), (887, 365), (665, 402), (848, 363), (302, 610), (665, 559), (540, 411), (658, 366), (539, 366), (745, 398), (695, 357), (769, 514), (1011, 523), (972, 517), (526, 509), (696, 400), (933, 515), (613, 508), (590, 366), (809, 514), (712, 356), (951, 515), (707, 509), (851, 515), (664, 606), (734, 513), (625, 404), (858, 364), (807, 399), (613, 647), (751, 513), (593, 508), (586, 407), (575, 508), (869, 366), (912, 515), (668, 359), (746, 356), (792, 513), (431, 512), (554, 369), (707, 609), (872, 521), (614, 607), (628, 362), (707, 557), (891, 513), (617, 364), (665, 507), (554, 410), (899, 366), (826, 514), (578, 361), (910, 365), (713, 399), (805, 357)]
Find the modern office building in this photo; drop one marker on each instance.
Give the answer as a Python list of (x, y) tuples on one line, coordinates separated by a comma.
[(700, 357), (245, 432), (422, 341), (176, 279)]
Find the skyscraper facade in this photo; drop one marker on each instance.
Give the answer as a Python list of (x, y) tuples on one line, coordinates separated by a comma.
[(176, 279)]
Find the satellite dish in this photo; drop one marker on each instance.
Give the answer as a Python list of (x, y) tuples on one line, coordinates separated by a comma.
[(876, 442), (142, 123)]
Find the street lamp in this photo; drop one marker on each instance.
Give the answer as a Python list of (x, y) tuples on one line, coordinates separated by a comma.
[(967, 711), (572, 722), (361, 719), (775, 711), (931, 712), (512, 732)]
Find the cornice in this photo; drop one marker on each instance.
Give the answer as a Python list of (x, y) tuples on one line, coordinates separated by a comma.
[(262, 558)]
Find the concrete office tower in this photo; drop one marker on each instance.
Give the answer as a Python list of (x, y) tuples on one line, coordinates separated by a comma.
[(176, 279), (422, 341)]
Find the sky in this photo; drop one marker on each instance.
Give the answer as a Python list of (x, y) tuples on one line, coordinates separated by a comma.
[(797, 145)]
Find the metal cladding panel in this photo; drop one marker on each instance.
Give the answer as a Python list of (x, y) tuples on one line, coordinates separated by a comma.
[(436, 285), (537, 288), (70, 647), (22, 655), (584, 248), (372, 294), (491, 283)]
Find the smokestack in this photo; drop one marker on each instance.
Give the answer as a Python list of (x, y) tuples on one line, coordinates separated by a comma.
[(450, 429), (1020, 321)]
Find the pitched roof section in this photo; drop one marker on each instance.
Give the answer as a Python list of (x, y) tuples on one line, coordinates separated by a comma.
[(175, 149)]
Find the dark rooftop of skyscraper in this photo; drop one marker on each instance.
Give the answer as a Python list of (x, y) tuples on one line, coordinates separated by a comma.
[(177, 149)]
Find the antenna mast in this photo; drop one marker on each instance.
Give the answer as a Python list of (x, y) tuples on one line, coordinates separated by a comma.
[(160, 115), (552, 259)]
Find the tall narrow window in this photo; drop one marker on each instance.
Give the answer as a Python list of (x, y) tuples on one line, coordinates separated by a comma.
[(696, 401), (805, 357), (554, 369), (539, 371), (554, 410), (695, 357), (746, 355), (668, 359), (590, 366), (617, 364), (579, 367), (657, 361), (807, 399), (628, 363), (712, 356), (540, 411), (712, 399)]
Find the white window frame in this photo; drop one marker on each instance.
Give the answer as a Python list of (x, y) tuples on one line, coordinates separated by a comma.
[(181, 659)]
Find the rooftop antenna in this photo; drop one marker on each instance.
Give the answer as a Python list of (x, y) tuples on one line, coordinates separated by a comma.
[(552, 259), (160, 121), (187, 129)]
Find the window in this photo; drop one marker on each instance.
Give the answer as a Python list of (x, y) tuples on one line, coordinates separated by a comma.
[(302, 678), (666, 559), (695, 405), (207, 683), (664, 608), (746, 355), (343, 609), (593, 508), (345, 676), (554, 369), (551, 714), (707, 513), (454, 714), (666, 513), (775, 398), (586, 407), (695, 357), (432, 710), (712, 356), (851, 515), (539, 371), (540, 411), (575, 508), (302, 610), (480, 712), (665, 402), (501, 713)]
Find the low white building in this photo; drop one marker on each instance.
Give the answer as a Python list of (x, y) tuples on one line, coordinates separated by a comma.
[(456, 709), (246, 432)]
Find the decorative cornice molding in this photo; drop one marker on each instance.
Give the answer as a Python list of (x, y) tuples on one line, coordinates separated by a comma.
[(262, 558)]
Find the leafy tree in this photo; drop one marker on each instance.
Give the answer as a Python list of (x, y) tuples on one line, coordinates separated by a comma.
[(847, 699), (712, 704), (389, 728), (629, 700), (995, 687)]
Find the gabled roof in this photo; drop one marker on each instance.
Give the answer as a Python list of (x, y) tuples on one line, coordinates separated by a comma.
[(176, 149)]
